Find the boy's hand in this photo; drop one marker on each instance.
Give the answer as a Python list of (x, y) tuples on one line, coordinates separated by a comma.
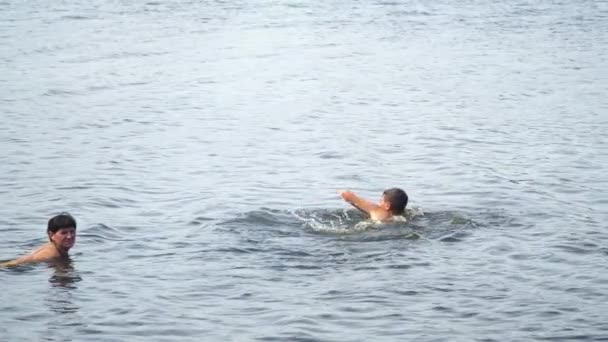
[(347, 195)]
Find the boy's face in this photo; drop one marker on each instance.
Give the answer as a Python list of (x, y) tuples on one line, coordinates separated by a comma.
[(64, 238)]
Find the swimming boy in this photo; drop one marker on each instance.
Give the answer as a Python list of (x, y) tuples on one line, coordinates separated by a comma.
[(61, 230), (392, 204)]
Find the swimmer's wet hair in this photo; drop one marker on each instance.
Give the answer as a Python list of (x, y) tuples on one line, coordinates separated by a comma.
[(398, 200), (63, 220)]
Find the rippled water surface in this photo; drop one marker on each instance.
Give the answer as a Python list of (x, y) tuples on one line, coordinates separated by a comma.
[(200, 146)]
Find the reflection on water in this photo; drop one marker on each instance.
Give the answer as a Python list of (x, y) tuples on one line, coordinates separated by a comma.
[(63, 283), (64, 274), (61, 301), (44, 301)]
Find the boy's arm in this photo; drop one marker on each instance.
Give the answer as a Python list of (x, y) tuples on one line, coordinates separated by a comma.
[(22, 260), (362, 204), (40, 254)]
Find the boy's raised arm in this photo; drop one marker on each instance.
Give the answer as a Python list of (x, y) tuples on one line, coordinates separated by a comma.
[(358, 202)]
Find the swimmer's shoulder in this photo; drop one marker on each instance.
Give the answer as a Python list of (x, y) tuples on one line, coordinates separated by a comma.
[(380, 215), (45, 252)]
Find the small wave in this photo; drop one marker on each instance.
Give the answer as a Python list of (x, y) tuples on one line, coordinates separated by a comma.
[(197, 221), (59, 92), (264, 216), (456, 236), (100, 233), (76, 17)]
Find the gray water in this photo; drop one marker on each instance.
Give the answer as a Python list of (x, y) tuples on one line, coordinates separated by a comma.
[(200, 146)]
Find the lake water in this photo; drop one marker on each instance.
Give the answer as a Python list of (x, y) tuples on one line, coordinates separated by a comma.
[(201, 144)]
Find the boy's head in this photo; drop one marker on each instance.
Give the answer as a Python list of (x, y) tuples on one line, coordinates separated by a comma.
[(396, 200), (61, 230)]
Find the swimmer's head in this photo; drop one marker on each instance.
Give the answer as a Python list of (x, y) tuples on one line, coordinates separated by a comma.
[(63, 220), (61, 230), (396, 200)]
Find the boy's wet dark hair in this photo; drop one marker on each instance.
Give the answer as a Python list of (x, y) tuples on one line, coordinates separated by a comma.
[(63, 220), (397, 199)]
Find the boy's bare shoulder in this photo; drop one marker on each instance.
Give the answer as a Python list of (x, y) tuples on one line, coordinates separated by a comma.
[(380, 214), (44, 253)]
